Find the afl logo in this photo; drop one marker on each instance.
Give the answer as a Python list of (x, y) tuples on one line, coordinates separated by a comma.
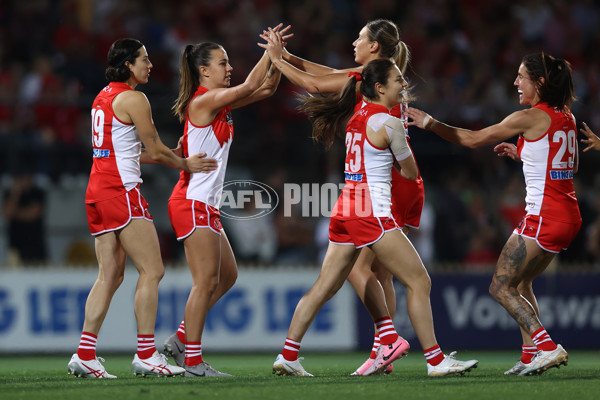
[(246, 199)]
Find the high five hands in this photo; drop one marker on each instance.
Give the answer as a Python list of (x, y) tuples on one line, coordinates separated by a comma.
[(276, 40)]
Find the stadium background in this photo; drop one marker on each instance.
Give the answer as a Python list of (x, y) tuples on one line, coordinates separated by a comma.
[(465, 55)]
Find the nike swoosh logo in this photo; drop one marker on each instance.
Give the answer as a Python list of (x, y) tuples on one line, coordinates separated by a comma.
[(193, 373), (179, 348), (391, 354)]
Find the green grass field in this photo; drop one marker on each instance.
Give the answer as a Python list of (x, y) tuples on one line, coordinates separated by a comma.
[(26, 377)]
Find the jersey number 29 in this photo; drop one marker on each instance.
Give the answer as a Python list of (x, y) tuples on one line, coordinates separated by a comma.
[(568, 145)]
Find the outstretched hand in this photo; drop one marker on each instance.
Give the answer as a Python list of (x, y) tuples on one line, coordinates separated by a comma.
[(274, 45), (275, 39), (419, 118), (507, 150), (199, 163), (283, 32), (592, 141)]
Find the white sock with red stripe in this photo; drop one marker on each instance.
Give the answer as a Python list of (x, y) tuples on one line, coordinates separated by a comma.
[(87, 346), (528, 353), (181, 332), (145, 346), (385, 329), (375, 347), (193, 353), (542, 340), (434, 355), (291, 348)]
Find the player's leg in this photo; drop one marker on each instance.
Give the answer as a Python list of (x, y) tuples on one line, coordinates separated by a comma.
[(140, 241), (203, 254), (337, 264), (528, 349), (228, 271), (367, 286), (227, 275), (111, 266), (398, 255), (522, 258)]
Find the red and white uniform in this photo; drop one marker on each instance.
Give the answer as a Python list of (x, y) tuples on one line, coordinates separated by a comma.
[(112, 197), (215, 140), (117, 148), (196, 198), (408, 196), (548, 164), (362, 213)]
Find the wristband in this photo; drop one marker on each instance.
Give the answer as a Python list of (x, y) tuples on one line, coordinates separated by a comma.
[(426, 121)]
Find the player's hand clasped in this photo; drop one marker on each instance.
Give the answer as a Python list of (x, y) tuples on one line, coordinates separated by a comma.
[(275, 39)]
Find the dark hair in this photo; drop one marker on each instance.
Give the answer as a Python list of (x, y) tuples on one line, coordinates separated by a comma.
[(120, 51), (386, 33), (329, 113), (192, 57), (557, 86)]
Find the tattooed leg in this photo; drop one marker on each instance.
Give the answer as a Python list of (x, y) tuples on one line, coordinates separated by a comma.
[(520, 261)]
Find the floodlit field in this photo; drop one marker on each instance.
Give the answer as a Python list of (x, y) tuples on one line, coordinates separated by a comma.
[(27, 377)]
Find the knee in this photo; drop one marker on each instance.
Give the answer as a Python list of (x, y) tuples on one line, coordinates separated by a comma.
[(229, 280), (524, 287), (211, 285), (156, 273), (421, 284), (496, 290), (112, 280), (384, 276), (425, 283)]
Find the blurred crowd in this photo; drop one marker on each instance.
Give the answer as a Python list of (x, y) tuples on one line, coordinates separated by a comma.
[(465, 55)]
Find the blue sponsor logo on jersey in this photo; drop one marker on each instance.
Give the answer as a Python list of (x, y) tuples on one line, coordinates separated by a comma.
[(353, 177), (99, 153), (561, 175)]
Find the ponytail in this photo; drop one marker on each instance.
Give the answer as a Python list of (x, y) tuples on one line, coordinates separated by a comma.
[(403, 57), (329, 113), (188, 83), (192, 57)]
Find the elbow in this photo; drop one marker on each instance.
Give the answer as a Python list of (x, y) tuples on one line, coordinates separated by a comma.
[(410, 172), (155, 156), (310, 86), (472, 144), (311, 89), (412, 175), (269, 91)]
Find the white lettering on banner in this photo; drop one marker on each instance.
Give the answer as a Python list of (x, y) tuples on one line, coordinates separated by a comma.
[(481, 311), (467, 307), (570, 312), (44, 311)]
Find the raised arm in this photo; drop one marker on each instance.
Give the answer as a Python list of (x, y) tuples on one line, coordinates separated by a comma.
[(328, 83), (137, 108), (205, 107), (300, 63), (267, 88)]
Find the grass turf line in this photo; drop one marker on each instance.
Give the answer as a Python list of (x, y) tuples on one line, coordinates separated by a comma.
[(27, 377)]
